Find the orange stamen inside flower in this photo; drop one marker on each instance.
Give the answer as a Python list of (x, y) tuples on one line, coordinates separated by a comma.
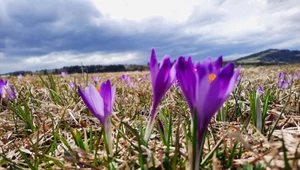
[(98, 88), (212, 77)]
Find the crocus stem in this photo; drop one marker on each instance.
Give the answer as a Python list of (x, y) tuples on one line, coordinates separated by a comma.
[(148, 129), (150, 125), (108, 136), (201, 138)]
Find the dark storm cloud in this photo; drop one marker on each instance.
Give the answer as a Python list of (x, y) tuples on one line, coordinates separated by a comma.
[(41, 27), (38, 30)]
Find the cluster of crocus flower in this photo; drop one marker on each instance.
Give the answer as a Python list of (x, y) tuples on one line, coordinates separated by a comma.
[(205, 86), (284, 80), (7, 91), (100, 103)]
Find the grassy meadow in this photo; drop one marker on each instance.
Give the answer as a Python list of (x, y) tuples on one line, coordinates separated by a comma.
[(48, 126)]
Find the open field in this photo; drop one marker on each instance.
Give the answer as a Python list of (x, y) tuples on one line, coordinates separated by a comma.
[(48, 126)]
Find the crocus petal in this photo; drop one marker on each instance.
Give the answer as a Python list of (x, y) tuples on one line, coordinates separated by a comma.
[(187, 80), (233, 81), (164, 80), (153, 67), (202, 84), (11, 93), (218, 65), (281, 75), (93, 101), (218, 92), (108, 97), (7, 91), (2, 90)]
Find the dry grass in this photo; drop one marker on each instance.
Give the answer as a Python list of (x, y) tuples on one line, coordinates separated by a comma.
[(55, 122)]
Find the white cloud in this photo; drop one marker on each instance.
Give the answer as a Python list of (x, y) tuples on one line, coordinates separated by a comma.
[(220, 21), (60, 59), (138, 10)]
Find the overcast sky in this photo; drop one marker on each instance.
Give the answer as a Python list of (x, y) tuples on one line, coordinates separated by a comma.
[(39, 34)]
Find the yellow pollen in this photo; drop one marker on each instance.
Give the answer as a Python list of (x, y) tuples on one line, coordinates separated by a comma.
[(212, 77), (98, 88)]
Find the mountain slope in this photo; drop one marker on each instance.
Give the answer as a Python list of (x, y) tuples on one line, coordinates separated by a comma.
[(272, 56)]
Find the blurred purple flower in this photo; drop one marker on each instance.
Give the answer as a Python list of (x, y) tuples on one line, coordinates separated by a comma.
[(101, 105), (270, 86), (140, 79), (281, 75), (285, 80), (292, 78), (71, 85), (126, 78), (162, 78), (205, 90), (64, 74), (283, 84), (130, 83), (20, 77), (260, 89), (96, 79), (7, 91), (146, 76)]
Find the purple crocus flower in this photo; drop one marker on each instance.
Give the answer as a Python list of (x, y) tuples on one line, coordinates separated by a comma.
[(96, 79), (101, 105), (64, 74), (205, 86), (6, 90), (162, 78)]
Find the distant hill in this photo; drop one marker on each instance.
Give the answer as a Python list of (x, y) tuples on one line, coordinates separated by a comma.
[(88, 69), (270, 57)]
